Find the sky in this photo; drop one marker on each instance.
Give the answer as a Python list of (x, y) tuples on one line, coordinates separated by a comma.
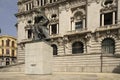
[(7, 18)]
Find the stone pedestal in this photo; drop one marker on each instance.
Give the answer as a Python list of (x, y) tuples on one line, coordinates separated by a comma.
[(38, 58)]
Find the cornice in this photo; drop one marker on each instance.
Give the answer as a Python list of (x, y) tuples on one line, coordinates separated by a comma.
[(55, 3), (22, 1), (8, 36), (19, 14)]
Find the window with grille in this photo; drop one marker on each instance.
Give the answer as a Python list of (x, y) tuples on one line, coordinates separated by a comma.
[(108, 46), (77, 47)]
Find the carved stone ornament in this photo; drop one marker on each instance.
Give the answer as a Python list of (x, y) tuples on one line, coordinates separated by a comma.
[(108, 3), (60, 41), (91, 1), (67, 6)]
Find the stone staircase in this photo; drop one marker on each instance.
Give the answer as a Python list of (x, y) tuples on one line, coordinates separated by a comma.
[(21, 76), (86, 63), (18, 67)]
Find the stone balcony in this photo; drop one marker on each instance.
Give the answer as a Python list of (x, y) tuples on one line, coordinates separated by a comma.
[(78, 31), (26, 40), (55, 36), (108, 27)]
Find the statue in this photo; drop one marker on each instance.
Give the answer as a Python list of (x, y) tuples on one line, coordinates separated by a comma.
[(39, 29)]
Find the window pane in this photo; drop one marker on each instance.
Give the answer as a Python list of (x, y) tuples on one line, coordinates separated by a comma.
[(108, 18), (77, 47), (54, 28), (78, 25)]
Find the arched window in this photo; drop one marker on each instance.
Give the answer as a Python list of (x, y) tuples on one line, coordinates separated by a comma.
[(108, 46), (78, 20), (55, 52), (77, 47)]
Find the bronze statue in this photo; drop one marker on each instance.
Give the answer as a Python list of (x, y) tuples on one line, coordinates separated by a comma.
[(40, 30)]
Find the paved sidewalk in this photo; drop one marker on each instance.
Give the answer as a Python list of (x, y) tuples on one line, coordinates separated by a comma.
[(60, 76)]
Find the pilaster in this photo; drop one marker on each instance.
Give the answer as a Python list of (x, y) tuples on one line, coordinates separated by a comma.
[(118, 11)]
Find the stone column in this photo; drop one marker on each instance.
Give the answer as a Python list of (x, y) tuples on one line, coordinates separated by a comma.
[(34, 3), (39, 2), (57, 29), (102, 19), (118, 11), (43, 2), (113, 18), (26, 7), (83, 23), (73, 26), (31, 5), (26, 34), (50, 30)]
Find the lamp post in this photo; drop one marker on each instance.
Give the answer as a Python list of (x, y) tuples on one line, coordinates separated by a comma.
[(101, 58)]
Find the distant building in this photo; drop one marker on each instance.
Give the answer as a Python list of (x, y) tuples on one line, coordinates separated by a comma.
[(8, 49), (81, 31)]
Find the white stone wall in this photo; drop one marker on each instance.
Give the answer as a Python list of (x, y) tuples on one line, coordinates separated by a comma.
[(93, 16), (64, 14), (64, 21), (21, 31)]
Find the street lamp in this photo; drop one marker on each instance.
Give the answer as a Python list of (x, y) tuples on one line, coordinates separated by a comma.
[(101, 58)]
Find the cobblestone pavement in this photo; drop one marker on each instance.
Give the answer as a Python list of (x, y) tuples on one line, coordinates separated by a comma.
[(60, 76)]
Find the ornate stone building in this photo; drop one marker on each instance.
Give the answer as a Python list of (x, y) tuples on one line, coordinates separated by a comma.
[(8, 49), (84, 34)]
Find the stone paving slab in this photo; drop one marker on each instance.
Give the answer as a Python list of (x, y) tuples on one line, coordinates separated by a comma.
[(60, 76)]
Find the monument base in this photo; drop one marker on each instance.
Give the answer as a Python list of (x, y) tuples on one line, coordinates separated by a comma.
[(38, 58)]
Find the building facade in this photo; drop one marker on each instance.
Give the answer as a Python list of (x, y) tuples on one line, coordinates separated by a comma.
[(8, 49), (84, 34)]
